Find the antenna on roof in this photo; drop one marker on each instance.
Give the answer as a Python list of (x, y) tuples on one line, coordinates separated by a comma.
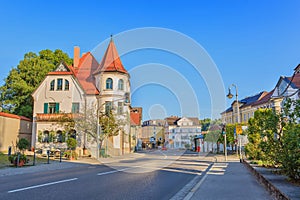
[(111, 36)]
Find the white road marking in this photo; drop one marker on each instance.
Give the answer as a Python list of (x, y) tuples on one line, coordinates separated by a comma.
[(191, 193), (42, 185), (118, 170)]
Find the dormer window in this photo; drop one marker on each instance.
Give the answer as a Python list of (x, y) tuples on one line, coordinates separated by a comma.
[(52, 84), (67, 85), (109, 84), (121, 84), (59, 84)]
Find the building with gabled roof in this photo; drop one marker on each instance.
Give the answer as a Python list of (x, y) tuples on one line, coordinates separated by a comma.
[(85, 87), (12, 128), (286, 87)]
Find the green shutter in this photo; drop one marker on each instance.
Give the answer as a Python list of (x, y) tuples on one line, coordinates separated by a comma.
[(56, 107), (45, 108)]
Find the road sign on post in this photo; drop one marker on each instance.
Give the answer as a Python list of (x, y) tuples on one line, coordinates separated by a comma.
[(239, 129)]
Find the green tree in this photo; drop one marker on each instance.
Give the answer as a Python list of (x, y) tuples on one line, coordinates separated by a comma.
[(16, 92), (205, 123), (263, 137), (23, 144), (290, 139)]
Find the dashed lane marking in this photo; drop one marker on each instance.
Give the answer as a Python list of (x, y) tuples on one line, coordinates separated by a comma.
[(42, 185)]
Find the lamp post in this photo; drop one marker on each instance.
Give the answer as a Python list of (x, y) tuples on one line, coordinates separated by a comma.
[(229, 95)]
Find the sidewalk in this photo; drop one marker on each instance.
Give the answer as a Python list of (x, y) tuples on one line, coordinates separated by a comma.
[(55, 164), (275, 183), (235, 180)]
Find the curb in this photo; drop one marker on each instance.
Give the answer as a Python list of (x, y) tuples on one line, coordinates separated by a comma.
[(270, 187)]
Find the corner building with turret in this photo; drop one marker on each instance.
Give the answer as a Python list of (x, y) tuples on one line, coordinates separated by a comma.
[(70, 94)]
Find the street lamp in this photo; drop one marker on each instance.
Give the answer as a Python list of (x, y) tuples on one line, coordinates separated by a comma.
[(229, 95)]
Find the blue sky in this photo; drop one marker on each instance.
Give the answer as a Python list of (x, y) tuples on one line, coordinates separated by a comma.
[(252, 42)]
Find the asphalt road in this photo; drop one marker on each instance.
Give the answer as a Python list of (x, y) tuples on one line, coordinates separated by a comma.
[(159, 175), (155, 175)]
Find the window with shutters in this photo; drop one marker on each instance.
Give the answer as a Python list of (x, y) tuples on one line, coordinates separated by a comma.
[(51, 108)]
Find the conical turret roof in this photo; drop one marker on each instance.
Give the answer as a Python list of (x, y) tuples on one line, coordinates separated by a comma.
[(111, 61)]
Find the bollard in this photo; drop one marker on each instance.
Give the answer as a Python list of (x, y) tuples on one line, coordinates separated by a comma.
[(9, 150), (60, 156), (18, 159), (33, 157), (48, 154)]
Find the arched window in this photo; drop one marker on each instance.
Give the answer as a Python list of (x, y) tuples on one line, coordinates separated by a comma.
[(121, 84), (72, 134), (67, 85), (109, 83), (52, 84), (45, 137), (59, 84), (59, 137)]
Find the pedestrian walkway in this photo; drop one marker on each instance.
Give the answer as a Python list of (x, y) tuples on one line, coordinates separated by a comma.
[(277, 184), (53, 165), (228, 180)]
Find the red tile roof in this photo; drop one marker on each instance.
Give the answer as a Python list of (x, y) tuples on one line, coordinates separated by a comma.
[(296, 80), (263, 100), (135, 118), (60, 73), (3, 114), (84, 73), (111, 61)]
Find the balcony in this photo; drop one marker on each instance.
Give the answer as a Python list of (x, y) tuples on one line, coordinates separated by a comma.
[(56, 117)]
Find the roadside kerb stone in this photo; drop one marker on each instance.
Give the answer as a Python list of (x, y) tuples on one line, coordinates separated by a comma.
[(278, 194)]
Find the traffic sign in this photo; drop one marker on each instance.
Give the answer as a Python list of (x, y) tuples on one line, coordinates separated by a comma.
[(239, 129)]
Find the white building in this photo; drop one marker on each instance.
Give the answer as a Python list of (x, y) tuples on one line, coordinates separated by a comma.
[(73, 90), (182, 135)]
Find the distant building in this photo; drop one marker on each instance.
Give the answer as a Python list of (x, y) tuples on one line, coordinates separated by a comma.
[(136, 114), (13, 128), (181, 135), (153, 133)]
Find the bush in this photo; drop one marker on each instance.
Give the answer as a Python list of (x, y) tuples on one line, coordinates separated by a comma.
[(70, 154), (14, 158), (23, 144), (72, 143)]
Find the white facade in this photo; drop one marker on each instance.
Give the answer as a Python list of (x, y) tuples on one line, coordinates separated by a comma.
[(182, 135), (82, 89)]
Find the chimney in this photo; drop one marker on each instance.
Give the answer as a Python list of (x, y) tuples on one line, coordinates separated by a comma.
[(76, 56)]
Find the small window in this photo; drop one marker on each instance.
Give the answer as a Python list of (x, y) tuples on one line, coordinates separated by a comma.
[(109, 84), (67, 85), (108, 107), (59, 84), (120, 108), (75, 107), (53, 108), (121, 84), (52, 84)]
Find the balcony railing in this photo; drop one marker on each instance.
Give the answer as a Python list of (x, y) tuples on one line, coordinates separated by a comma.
[(57, 117)]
